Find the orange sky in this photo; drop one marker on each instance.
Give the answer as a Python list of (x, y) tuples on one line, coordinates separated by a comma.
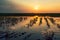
[(43, 5)]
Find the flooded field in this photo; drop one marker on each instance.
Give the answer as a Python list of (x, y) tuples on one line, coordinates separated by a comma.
[(29, 28)]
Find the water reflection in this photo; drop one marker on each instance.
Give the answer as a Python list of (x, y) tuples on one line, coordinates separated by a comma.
[(48, 34), (29, 28)]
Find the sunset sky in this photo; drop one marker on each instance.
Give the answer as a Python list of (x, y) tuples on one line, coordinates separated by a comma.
[(29, 6)]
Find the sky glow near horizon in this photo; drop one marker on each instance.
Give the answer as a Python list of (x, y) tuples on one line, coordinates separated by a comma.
[(29, 6)]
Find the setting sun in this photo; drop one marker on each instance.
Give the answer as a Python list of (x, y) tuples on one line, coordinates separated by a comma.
[(36, 7)]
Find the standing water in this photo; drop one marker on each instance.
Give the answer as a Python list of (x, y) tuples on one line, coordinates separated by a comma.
[(29, 28)]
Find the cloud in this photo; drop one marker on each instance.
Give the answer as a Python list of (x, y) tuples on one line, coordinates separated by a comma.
[(6, 7), (11, 7)]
